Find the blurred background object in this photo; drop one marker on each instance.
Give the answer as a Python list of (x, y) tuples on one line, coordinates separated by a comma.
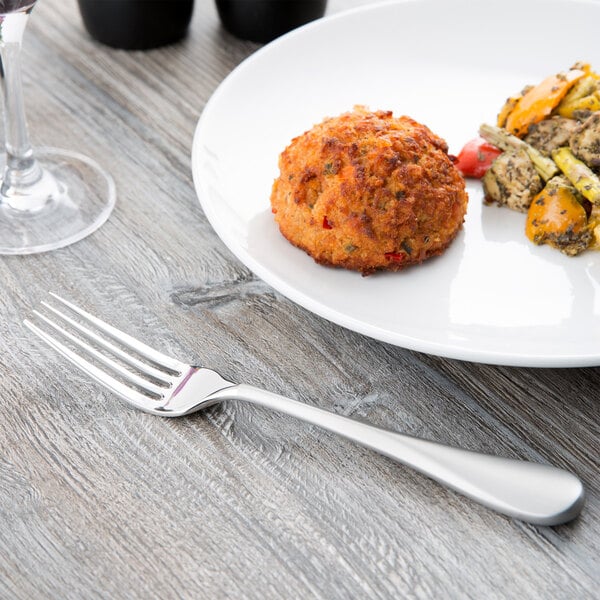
[(136, 24), (264, 20)]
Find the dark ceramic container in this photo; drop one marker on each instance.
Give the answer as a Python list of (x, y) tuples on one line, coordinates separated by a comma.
[(264, 20), (136, 24)]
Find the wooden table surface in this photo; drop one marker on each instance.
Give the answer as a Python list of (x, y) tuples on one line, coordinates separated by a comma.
[(100, 501)]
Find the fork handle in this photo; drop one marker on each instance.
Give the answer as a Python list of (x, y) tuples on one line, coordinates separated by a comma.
[(532, 492)]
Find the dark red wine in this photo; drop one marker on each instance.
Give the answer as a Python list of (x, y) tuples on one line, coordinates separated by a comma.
[(136, 24), (264, 20)]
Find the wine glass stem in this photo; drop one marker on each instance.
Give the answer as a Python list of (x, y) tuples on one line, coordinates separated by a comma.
[(22, 172)]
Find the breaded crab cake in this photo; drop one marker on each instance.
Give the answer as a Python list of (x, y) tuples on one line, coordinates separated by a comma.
[(368, 191)]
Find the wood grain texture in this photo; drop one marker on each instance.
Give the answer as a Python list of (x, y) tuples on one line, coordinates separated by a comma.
[(99, 501)]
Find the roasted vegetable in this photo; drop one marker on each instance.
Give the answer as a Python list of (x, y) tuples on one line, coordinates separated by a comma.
[(512, 181), (549, 168), (508, 107), (556, 217), (579, 174), (582, 99), (505, 141), (585, 141), (476, 158), (539, 101), (594, 225), (550, 134)]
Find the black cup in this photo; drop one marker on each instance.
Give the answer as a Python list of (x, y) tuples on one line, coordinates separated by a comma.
[(264, 20), (136, 24)]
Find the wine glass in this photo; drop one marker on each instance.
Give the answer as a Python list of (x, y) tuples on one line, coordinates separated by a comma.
[(50, 198)]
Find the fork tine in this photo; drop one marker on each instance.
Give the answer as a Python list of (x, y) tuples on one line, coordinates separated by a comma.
[(125, 339), (130, 395), (131, 360), (115, 367)]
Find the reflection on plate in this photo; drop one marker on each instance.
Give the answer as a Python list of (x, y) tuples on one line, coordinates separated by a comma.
[(493, 296)]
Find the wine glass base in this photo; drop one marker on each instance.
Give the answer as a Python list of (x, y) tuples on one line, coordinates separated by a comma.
[(81, 198)]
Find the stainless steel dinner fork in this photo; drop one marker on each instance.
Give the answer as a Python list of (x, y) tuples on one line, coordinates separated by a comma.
[(161, 385)]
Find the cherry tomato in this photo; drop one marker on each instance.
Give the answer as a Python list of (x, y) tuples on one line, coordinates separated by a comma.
[(476, 158)]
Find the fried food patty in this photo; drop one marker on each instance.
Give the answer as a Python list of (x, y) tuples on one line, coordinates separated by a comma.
[(367, 191)]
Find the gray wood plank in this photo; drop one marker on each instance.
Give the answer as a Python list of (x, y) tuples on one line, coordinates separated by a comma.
[(99, 501)]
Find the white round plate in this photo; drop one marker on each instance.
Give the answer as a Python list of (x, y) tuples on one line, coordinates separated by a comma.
[(493, 297)]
